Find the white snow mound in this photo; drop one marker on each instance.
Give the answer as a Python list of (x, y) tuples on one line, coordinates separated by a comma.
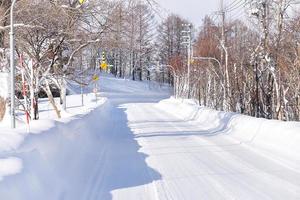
[(10, 166), (282, 138)]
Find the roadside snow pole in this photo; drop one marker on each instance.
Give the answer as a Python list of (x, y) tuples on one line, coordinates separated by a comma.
[(81, 93), (24, 91), (12, 67), (81, 80), (95, 90), (64, 93)]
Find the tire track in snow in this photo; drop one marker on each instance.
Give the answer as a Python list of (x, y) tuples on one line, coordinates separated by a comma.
[(154, 184), (222, 161), (166, 116), (95, 176)]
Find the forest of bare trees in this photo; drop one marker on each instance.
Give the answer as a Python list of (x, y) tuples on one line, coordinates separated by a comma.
[(249, 65), (259, 72)]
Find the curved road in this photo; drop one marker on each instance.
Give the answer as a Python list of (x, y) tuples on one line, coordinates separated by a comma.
[(180, 161), (131, 149)]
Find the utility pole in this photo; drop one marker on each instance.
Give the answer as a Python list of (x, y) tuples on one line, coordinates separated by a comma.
[(189, 67), (224, 50), (12, 67), (223, 21), (187, 35), (222, 13)]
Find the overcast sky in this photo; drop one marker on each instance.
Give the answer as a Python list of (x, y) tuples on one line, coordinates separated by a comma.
[(193, 10)]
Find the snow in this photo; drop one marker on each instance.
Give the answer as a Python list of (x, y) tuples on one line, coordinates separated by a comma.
[(11, 140), (278, 138), (139, 144), (10, 166)]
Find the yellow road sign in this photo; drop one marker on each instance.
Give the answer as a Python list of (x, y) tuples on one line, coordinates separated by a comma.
[(95, 77), (104, 65), (81, 1)]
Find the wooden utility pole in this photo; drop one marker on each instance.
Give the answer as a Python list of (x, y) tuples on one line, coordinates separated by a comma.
[(187, 34), (223, 20), (224, 50)]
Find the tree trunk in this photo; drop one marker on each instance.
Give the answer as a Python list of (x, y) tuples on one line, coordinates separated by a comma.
[(133, 75), (2, 108), (51, 99), (140, 75)]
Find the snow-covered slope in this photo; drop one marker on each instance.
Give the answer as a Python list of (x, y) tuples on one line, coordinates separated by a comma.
[(58, 161), (272, 136), (11, 140)]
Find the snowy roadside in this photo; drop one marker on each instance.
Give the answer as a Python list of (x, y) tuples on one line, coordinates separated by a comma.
[(277, 139), (11, 140), (48, 123), (69, 158)]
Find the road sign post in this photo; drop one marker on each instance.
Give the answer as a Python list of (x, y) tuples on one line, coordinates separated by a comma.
[(95, 90)]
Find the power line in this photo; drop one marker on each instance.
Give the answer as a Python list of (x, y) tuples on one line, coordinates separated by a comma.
[(230, 5), (233, 4), (237, 14), (241, 3)]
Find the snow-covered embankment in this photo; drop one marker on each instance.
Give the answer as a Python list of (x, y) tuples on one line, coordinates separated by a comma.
[(12, 139), (278, 138)]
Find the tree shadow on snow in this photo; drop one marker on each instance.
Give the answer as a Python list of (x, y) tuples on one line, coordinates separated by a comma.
[(124, 166)]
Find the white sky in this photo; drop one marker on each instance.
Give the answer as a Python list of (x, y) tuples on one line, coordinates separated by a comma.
[(195, 10)]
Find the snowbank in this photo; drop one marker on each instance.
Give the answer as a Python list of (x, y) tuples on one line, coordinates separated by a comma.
[(63, 162), (277, 137), (11, 140), (10, 166)]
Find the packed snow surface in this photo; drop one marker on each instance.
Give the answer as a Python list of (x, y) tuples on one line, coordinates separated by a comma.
[(133, 145)]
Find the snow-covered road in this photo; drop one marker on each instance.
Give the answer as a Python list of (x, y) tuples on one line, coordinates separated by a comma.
[(132, 149), (195, 165)]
